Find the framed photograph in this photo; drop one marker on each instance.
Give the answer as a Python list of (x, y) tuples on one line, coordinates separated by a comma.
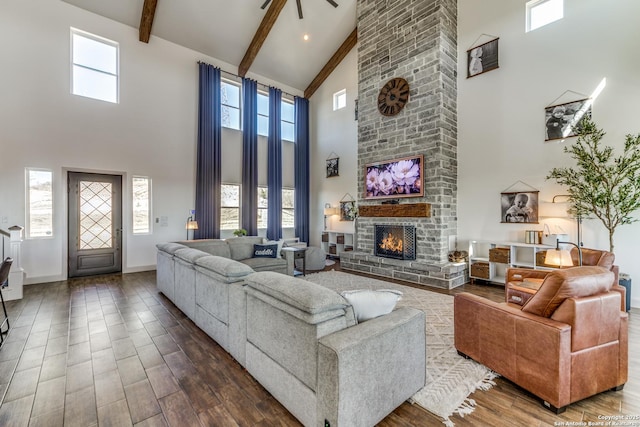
[(482, 58), (394, 178), (347, 211), (563, 120), (520, 207), (332, 167)]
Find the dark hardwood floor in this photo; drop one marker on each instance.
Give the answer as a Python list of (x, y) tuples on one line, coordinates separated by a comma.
[(112, 351)]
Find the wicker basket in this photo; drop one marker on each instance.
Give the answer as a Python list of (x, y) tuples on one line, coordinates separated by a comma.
[(325, 237), (480, 270), (499, 255)]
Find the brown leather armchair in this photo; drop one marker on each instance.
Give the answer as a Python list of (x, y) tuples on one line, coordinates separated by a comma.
[(568, 342)]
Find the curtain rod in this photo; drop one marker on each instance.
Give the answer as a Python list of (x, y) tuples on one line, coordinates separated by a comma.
[(260, 84)]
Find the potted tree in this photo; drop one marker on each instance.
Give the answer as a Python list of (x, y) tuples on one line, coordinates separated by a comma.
[(600, 184)]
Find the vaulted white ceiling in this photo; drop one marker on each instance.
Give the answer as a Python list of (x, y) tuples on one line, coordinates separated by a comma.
[(224, 29)]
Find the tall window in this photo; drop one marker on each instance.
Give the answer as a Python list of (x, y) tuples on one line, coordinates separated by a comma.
[(95, 66), (39, 209), (288, 121), (141, 203), (543, 12), (287, 207), (263, 114), (230, 95), (230, 207)]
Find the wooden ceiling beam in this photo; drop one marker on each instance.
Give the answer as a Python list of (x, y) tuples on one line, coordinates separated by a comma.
[(260, 36), (146, 20), (337, 57)]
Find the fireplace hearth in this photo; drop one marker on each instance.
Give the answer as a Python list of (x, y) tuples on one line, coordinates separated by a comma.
[(395, 241)]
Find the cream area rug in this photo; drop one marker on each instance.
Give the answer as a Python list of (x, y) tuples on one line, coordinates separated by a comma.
[(450, 377)]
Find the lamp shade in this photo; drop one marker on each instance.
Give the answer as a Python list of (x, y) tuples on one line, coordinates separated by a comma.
[(330, 211), (192, 225), (559, 257)]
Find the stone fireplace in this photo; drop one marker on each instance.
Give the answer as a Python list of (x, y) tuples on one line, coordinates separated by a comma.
[(414, 40), (395, 241)]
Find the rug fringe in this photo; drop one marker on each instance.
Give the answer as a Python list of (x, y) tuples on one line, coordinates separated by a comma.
[(469, 405)]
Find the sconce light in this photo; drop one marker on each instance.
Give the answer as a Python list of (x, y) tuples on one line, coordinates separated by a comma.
[(562, 257), (192, 224)]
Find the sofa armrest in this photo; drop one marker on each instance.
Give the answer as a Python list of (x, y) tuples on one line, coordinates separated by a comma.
[(367, 370), (518, 274)]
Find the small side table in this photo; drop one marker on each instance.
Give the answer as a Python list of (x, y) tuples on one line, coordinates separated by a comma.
[(294, 253)]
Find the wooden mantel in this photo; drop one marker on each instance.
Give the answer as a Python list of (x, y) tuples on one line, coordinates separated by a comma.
[(400, 210)]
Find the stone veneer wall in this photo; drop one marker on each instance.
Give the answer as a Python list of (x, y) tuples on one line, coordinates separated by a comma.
[(415, 40)]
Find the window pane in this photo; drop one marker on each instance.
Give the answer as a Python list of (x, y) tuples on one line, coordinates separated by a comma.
[(287, 198), (40, 203), (263, 105), (542, 13), (262, 218), (230, 117), (229, 218), (288, 131), (287, 218), (230, 94), (263, 195), (263, 126), (287, 113), (95, 54), (141, 192), (95, 84), (230, 195)]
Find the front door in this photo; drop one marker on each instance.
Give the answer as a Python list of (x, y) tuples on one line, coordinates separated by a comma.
[(95, 224)]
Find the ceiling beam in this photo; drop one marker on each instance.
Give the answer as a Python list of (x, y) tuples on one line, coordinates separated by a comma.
[(146, 20), (337, 57), (260, 36)]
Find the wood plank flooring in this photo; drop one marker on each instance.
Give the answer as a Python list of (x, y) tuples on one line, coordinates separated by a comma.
[(112, 351)]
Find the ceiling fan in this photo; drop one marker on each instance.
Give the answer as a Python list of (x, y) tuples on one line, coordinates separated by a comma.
[(266, 3)]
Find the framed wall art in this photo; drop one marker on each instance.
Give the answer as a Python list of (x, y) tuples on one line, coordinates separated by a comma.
[(563, 120), (519, 207), (395, 178), (482, 58), (333, 165)]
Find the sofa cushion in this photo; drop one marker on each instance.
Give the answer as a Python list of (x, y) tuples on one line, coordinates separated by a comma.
[(215, 247), (265, 251), (305, 296), (265, 264), (224, 266), (280, 244), (190, 255), (170, 247), (573, 282), (594, 257), (242, 247), (368, 304)]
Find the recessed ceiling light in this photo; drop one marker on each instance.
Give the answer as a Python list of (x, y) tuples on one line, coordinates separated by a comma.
[(305, 37)]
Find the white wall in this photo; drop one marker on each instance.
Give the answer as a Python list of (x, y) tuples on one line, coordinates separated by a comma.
[(501, 113), (151, 132), (333, 132)]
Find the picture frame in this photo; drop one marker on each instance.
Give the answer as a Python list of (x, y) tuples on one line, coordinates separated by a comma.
[(333, 167), (348, 211), (519, 207), (392, 179), (482, 58), (563, 120)]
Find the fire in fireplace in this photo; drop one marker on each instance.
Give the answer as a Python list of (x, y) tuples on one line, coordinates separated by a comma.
[(395, 241)]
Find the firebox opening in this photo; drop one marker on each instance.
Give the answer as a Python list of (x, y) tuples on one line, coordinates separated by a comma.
[(395, 241)]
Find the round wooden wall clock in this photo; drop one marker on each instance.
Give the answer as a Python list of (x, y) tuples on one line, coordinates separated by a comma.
[(393, 96)]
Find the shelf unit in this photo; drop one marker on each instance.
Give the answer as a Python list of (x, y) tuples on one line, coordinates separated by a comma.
[(336, 242), (520, 255)]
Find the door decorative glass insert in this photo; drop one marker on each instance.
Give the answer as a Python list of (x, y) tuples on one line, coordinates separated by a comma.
[(96, 220)]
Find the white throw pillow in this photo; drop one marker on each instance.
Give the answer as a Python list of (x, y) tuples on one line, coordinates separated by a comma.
[(368, 304), (280, 243)]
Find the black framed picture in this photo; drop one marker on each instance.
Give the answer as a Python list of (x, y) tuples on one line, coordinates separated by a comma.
[(519, 207), (482, 58), (333, 167), (563, 120)]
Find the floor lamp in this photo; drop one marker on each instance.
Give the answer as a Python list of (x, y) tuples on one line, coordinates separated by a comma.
[(192, 224)]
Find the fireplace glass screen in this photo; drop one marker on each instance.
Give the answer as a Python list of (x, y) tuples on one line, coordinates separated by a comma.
[(396, 241)]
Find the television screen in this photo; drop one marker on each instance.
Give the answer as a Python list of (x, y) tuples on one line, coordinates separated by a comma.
[(395, 178)]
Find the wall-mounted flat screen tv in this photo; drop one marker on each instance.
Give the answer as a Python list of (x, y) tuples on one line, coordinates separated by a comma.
[(395, 178)]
